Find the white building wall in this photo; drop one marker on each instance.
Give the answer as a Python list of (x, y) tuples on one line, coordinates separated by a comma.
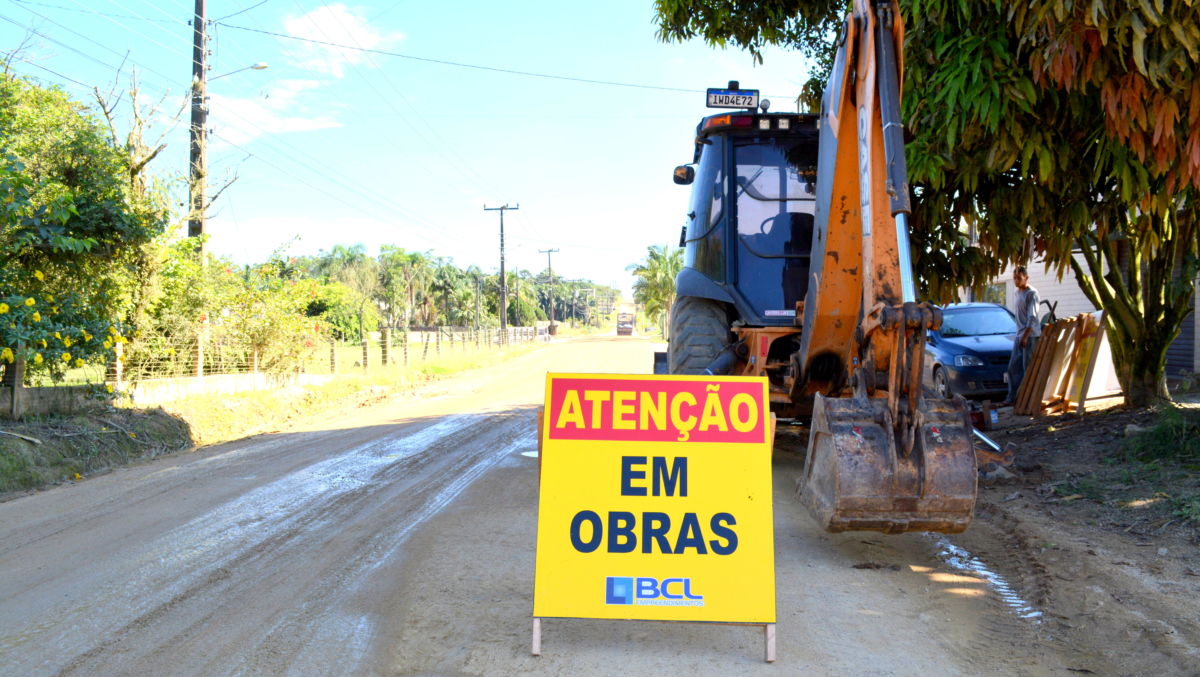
[(1066, 292)]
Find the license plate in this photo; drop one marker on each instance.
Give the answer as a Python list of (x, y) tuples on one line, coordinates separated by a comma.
[(733, 98)]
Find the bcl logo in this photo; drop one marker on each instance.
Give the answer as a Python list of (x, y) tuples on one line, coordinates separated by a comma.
[(651, 591)]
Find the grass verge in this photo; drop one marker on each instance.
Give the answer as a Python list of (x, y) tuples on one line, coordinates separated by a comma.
[(45, 450)]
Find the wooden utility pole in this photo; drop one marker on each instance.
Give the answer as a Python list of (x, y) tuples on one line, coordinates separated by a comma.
[(197, 184), (503, 281), (550, 268)]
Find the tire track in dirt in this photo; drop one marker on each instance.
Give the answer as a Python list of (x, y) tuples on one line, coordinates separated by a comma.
[(1086, 620), (1017, 589), (174, 597)]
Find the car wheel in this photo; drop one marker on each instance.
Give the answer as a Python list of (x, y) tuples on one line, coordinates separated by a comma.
[(699, 332), (941, 385)]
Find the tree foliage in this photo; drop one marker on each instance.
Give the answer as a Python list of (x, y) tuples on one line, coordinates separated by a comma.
[(69, 233), (654, 286)]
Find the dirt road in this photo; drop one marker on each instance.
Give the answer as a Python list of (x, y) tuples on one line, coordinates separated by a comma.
[(399, 539)]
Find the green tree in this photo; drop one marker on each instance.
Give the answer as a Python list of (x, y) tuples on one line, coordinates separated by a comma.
[(71, 230), (360, 273), (654, 286), (1049, 127)]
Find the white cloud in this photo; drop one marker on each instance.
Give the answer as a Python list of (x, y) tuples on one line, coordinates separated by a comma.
[(339, 24), (278, 111)]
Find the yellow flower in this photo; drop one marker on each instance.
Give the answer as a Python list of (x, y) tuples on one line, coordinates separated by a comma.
[(29, 301), (78, 361), (133, 435), (108, 387), (78, 477), (107, 345), (43, 342), (66, 357), (3, 308), (57, 335), (37, 358), (38, 275), (112, 329), (7, 355), (50, 298), (67, 341), (87, 336), (37, 317)]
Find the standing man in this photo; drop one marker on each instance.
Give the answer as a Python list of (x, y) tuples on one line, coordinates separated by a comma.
[(1028, 332)]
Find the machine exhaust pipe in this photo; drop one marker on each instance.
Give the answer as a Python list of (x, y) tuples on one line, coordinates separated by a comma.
[(726, 360)]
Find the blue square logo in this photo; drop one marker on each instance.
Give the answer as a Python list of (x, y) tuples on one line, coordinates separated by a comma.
[(618, 590)]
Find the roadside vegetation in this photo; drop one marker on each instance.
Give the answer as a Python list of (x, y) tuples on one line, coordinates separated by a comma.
[(94, 268), (97, 278), (1136, 471), (42, 451)]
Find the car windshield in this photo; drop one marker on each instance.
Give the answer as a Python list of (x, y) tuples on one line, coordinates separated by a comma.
[(977, 322)]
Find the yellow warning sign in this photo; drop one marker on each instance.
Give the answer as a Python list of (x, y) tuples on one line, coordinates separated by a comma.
[(655, 499)]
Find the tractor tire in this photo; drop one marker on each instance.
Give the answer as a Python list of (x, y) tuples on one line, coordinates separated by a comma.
[(699, 332)]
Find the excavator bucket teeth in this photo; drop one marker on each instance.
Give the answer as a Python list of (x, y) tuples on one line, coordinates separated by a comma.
[(855, 478)]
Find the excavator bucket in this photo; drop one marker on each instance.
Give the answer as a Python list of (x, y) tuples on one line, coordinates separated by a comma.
[(856, 478)]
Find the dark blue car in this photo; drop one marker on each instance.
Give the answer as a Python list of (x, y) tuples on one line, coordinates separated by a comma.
[(969, 355)]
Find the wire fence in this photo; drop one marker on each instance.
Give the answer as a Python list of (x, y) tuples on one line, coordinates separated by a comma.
[(416, 346), (165, 357), (175, 357)]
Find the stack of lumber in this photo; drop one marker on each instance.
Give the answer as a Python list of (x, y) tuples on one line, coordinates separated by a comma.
[(1062, 375)]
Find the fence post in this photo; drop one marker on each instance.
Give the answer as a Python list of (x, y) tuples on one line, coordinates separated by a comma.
[(385, 345), (438, 346), (14, 377), (366, 348), (332, 355), (404, 339), (116, 368), (200, 339), (425, 348)]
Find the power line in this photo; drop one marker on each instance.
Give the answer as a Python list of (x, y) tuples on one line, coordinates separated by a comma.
[(387, 207), (241, 11), (352, 205), (457, 64), (64, 77), (93, 11), (81, 35), (437, 143), (62, 44), (172, 50)]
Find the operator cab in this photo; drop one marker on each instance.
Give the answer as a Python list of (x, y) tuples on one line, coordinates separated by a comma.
[(749, 229)]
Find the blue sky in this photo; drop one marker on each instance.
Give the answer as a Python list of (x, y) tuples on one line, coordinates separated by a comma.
[(336, 146)]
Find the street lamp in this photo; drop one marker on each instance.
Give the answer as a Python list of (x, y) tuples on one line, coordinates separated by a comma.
[(261, 65)]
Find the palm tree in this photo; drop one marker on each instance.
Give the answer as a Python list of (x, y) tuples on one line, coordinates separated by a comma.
[(654, 287)]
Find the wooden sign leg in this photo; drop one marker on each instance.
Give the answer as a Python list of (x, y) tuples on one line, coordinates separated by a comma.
[(769, 631), (537, 637)]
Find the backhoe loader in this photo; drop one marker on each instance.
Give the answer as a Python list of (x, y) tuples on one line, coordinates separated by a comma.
[(797, 267)]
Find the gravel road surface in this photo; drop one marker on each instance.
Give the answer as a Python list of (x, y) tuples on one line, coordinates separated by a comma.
[(398, 539)]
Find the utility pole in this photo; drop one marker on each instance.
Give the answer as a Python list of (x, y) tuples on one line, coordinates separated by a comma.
[(199, 129), (550, 268), (503, 282), (478, 291)]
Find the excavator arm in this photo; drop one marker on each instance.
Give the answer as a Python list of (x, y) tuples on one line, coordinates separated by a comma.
[(880, 456)]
